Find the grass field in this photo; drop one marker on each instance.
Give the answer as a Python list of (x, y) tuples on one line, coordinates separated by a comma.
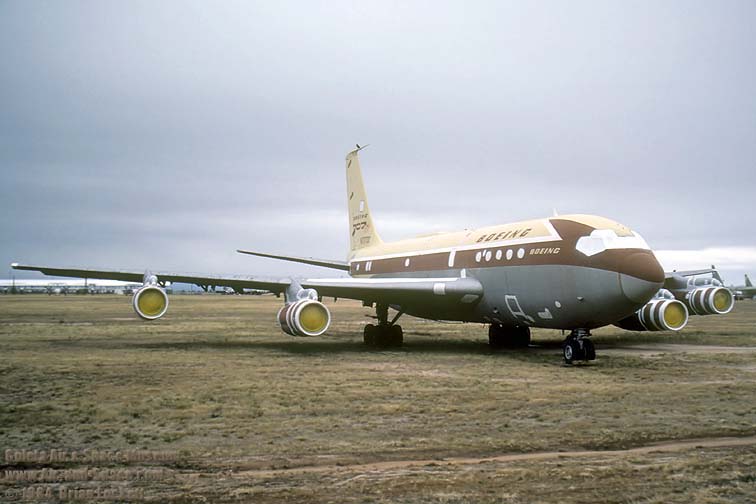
[(255, 415)]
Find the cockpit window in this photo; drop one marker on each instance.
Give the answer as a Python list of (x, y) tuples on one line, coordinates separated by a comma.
[(605, 239)]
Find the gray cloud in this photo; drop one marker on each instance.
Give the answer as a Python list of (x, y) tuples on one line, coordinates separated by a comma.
[(169, 134)]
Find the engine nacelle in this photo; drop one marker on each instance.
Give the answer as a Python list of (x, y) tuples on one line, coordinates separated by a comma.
[(150, 302), (710, 301), (306, 317), (659, 314)]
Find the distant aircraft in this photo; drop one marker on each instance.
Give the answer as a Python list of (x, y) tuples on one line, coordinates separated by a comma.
[(570, 272), (745, 291), (57, 286)]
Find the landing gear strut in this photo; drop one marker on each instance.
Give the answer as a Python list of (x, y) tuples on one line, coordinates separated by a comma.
[(386, 333), (508, 337), (578, 347)]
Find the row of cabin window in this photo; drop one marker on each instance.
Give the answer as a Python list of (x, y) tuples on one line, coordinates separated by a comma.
[(480, 256), (487, 255)]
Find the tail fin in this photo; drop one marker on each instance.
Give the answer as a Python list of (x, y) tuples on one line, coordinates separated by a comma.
[(715, 274), (748, 282), (361, 229)]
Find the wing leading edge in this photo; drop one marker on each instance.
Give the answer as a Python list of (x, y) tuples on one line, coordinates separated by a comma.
[(236, 282), (390, 290)]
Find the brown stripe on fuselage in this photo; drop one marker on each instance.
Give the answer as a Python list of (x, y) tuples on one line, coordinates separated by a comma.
[(634, 262)]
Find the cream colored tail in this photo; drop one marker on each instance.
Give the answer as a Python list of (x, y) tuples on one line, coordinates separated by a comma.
[(361, 229)]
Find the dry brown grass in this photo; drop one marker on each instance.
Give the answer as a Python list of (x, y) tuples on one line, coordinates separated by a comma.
[(216, 380)]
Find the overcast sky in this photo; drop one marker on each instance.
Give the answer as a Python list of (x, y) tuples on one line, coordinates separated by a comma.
[(168, 134)]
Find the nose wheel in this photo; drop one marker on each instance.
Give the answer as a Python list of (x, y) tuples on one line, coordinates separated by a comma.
[(578, 347)]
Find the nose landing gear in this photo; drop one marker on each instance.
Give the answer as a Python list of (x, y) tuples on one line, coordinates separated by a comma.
[(385, 334), (578, 347)]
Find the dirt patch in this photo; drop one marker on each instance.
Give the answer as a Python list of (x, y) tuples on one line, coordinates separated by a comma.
[(662, 348), (391, 465)]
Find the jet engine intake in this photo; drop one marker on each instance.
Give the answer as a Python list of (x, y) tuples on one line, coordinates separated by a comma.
[(150, 302), (306, 317), (710, 301), (659, 314)]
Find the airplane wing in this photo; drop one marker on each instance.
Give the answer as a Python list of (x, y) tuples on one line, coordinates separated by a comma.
[(236, 282), (389, 290), (688, 273), (674, 277)]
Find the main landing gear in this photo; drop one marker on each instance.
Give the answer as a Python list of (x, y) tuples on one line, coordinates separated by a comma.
[(578, 346), (500, 336), (387, 333)]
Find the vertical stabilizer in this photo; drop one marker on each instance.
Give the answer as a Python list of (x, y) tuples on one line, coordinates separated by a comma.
[(748, 282), (715, 274), (362, 232)]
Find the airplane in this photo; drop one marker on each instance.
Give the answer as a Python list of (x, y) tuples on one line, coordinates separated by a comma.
[(571, 272), (65, 286), (745, 291)]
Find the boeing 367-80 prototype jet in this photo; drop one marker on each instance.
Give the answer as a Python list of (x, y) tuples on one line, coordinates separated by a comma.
[(573, 272)]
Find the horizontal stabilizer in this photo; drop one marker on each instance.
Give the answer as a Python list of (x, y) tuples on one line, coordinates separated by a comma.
[(325, 263)]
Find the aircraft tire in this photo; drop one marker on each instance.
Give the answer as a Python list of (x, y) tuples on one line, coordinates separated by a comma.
[(396, 336), (496, 336), (508, 337), (589, 349), (571, 351), (520, 337), (370, 335), (378, 336)]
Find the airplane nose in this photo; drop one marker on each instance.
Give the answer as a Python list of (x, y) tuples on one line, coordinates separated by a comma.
[(638, 290), (641, 276)]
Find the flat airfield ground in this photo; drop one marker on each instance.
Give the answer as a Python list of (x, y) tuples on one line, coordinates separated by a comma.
[(249, 414)]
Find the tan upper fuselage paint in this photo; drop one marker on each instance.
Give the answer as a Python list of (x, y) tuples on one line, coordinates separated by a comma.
[(526, 243)]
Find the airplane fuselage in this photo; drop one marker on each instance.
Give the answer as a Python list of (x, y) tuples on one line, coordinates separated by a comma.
[(573, 271)]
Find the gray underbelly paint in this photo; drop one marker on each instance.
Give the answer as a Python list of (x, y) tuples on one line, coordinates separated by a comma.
[(549, 296)]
